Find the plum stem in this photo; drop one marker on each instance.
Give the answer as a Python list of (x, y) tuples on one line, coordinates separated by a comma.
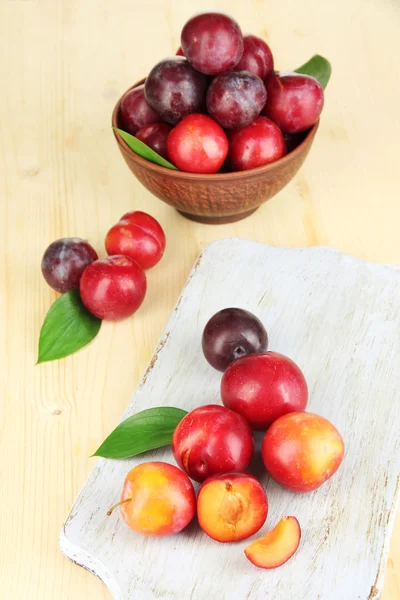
[(109, 512)]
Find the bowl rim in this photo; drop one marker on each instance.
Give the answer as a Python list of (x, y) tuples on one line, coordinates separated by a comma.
[(232, 175)]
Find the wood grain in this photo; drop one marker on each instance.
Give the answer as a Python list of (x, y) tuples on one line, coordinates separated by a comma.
[(338, 318), (64, 64)]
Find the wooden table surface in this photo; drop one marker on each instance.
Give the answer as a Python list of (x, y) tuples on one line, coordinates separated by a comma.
[(63, 65)]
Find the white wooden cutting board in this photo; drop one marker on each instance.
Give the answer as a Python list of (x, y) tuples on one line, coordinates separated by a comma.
[(339, 319)]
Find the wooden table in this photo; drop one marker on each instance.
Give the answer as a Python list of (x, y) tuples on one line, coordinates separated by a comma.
[(64, 65)]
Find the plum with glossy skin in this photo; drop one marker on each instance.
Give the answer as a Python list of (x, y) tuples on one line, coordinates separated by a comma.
[(294, 101), (198, 144), (277, 546), (236, 98), (211, 440), (212, 42), (155, 136), (231, 507), (257, 57), (230, 334), (263, 387), (64, 262), (138, 236), (302, 450), (135, 113), (113, 288), (256, 145), (174, 89), (157, 499)]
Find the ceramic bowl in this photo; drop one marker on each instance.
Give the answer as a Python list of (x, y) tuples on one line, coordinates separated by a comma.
[(217, 198)]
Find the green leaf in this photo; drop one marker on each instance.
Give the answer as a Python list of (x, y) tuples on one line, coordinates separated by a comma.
[(68, 326), (318, 67), (148, 429), (143, 150)]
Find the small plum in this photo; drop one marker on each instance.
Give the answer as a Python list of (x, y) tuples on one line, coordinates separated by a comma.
[(302, 450), (257, 57), (294, 101), (113, 288), (155, 136), (157, 499), (64, 262), (277, 546), (236, 98), (135, 113), (138, 236), (174, 89), (212, 42), (179, 52), (263, 387), (230, 334), (231, 507), (256, 145), (198, 144), (212, 439)]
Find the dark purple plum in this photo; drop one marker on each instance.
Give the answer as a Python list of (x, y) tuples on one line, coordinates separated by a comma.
[(64, 262), (236, 98), (257, 57), (135, 113), (174, 89), (230, 334), (155, 136), (212, 43)]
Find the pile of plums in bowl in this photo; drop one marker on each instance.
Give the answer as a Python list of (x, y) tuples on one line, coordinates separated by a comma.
[(213, 445), (236, 130)]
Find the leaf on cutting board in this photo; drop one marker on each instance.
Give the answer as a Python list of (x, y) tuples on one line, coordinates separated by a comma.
[(68, 326), (149, 429), (143, 150), (318, 67)]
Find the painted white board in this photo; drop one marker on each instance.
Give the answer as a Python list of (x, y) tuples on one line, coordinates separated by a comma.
[(339, 319)]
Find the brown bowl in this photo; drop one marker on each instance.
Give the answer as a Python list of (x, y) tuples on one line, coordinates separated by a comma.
[(218, 198)]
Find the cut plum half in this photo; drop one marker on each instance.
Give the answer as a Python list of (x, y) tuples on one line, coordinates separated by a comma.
[(277, 546), (231, 506)]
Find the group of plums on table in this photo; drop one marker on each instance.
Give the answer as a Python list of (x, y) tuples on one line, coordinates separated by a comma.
[(213, 444), (114, 287), (220, 105)]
